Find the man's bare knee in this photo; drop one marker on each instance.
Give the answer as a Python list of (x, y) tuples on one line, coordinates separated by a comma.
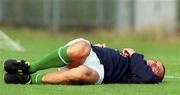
[(78, 50), (85, 75)]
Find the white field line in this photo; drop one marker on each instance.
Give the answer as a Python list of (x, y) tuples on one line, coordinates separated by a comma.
[(172, 77), (13, 45)]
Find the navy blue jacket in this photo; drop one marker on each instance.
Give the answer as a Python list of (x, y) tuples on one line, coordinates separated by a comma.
[(121, 69)]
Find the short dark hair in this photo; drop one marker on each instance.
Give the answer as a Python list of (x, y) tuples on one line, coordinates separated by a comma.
[(163, 73)]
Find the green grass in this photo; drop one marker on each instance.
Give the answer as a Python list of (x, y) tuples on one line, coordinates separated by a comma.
[(39, 43)]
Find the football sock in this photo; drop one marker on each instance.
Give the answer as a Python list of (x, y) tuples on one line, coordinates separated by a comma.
[(36, 78), (57, 58)]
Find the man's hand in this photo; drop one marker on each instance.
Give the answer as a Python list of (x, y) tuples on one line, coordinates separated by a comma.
[(128, 52), (100, 45)]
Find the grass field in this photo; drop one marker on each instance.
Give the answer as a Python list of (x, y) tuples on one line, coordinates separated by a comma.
[(39, 43)]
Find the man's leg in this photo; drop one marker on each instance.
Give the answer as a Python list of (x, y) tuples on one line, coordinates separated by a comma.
[(78, 75), (36, 78), (73, 54), (56, 58)]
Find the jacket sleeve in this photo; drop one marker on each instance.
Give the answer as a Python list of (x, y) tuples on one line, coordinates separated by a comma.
[(141, 72)]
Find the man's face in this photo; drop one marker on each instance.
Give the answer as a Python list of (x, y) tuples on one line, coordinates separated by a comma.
[(156, 67)]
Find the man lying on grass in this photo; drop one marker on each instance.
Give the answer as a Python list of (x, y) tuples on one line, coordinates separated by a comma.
[(84, 63)]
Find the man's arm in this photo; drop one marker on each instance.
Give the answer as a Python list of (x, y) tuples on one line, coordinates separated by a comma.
[(141, 72)]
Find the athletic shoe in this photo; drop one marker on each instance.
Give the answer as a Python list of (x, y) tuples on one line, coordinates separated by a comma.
[(13, 66), (17, 78)]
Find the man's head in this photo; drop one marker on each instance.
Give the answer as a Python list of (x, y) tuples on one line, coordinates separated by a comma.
[(157, 67)]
